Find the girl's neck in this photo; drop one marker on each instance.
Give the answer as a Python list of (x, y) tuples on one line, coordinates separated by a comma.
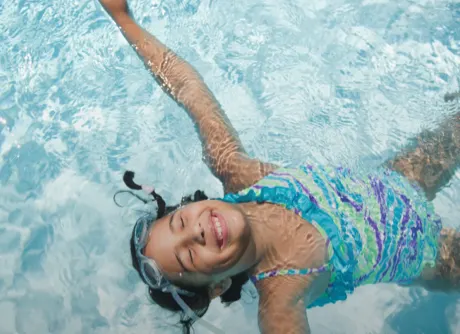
[(263, 232)]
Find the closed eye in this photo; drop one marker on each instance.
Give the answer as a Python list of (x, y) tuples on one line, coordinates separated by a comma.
[(191, 257), (182, 222)]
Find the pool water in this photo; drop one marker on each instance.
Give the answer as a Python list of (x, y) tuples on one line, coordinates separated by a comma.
[(324, 81)]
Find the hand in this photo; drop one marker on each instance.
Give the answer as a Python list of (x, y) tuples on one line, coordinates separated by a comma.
[(115, 7)]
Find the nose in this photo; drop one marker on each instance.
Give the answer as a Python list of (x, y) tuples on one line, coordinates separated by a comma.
[(194, 234)]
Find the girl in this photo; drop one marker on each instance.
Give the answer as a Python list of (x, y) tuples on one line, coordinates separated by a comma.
[(305, 236)]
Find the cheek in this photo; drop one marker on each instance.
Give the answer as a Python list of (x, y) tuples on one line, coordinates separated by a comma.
[(215, 263), (208, 260)]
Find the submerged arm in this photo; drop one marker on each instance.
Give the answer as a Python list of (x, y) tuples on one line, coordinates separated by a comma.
[(279, 315), (222, 149), (282, 306)]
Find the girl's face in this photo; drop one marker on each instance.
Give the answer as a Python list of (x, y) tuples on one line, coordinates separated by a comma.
[(200, 243)]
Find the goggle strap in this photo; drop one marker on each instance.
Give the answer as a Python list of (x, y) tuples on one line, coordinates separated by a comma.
[(131, 193), (192, 315)]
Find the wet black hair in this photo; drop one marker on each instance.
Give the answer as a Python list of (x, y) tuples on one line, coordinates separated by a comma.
[(200, 300)]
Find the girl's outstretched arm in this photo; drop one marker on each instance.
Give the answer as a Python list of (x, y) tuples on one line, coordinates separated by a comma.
[(222, 149)]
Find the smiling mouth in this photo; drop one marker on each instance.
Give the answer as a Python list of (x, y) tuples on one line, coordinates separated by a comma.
[(219, 228)]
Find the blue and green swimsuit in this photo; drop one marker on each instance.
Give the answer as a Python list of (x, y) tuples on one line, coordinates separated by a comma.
[(378, 228)]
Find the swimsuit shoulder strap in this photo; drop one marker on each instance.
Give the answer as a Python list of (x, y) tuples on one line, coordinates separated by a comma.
[(290, 272)]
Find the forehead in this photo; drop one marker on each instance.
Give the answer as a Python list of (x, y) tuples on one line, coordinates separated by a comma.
[(160, 246)]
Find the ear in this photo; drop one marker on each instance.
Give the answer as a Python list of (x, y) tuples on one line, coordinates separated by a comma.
[(218, 289)]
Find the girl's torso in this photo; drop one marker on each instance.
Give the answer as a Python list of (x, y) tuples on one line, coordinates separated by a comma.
[(364, 229), (296, 244)]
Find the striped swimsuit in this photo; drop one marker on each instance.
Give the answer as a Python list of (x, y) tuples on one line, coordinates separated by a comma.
[(378, 228)]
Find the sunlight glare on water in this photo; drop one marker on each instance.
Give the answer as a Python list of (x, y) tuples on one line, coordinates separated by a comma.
[(336, 82)]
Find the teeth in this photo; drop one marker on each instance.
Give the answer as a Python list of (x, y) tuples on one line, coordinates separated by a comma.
[(218, 228)]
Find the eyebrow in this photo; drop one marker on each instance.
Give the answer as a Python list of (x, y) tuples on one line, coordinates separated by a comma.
[(171, 220)]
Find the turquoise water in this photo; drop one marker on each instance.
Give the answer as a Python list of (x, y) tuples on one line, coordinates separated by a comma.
[(331, 81)]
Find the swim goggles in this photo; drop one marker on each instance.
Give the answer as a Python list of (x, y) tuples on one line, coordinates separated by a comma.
[(153, 277)]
